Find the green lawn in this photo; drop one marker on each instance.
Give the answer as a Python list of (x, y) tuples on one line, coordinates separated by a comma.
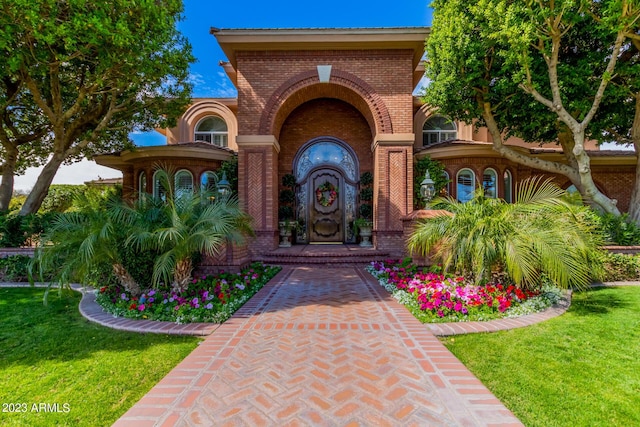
[(52, 355), (579, 369)]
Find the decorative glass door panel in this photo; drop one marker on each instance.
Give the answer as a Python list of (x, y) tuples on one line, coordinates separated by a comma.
[(326, 213), (329, 165)]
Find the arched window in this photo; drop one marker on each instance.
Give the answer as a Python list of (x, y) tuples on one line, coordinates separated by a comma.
[(183, 183), (213, 130), (465, 185), (508, 187), (208, 181), (437, 129), (142, 183), (490, 183), (159, 192)]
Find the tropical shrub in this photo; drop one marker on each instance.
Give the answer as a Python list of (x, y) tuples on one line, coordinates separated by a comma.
[(181, 226), (540, 234), (620, 267), (14, 268), (17, 231), (620, 229), (208, 299), (82, 246)]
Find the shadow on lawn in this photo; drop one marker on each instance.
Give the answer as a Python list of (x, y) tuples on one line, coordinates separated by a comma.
[(595, 301), (31, 331)]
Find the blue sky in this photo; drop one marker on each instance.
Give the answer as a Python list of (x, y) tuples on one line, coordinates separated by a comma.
[(200, 15), (207, 76)]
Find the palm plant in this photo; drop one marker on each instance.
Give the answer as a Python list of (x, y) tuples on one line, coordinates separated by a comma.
[(186, 224), (79, 243), (541, 233)]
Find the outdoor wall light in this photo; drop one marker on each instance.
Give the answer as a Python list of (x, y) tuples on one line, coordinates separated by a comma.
[(427, 189), (224, 186)]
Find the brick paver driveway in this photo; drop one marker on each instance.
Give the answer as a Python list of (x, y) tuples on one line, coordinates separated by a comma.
[(320, 346)]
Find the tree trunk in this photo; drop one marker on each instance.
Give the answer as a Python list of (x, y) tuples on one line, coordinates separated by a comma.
[(590, 192), (41, 188), (520, 157), (182, 275), (6, 187), (634, 206), (125, 279)]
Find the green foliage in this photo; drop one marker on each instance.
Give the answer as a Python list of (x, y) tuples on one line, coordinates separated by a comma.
[(17, 231), (620, 230), (620, 267), (536, 70), (96, 71), (436, 171), (230, 168), (285, 213), (14, 268), (16, 202), (178, 227), (366, 179), (540, 234), (366, 211), (60, 197), (288, 181), (366, 196), (287, 198)]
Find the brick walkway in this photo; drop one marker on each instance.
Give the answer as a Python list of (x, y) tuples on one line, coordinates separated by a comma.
[(320, 346)]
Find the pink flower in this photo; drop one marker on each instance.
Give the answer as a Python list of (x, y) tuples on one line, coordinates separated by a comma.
[(141, 307)]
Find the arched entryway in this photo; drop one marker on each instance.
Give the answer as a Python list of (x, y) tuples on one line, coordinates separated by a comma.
[(326, 171)]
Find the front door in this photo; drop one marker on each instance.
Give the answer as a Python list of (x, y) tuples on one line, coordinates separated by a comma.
[(326, 220)]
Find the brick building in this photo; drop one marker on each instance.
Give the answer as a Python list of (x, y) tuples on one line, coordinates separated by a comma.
[(327, 105)]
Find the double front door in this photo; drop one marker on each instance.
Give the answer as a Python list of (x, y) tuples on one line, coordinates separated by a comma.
[(326, 206)]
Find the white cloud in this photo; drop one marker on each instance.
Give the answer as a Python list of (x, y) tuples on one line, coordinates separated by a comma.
[(77, 173)]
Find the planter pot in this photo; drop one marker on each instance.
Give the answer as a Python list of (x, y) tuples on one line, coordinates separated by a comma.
[(286, 231), (365, 233)]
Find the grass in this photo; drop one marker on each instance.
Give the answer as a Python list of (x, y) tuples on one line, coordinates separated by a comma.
[(52, 355), (582, 368)]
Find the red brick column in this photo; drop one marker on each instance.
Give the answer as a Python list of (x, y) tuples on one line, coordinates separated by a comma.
[(258, 188), (392, 189)]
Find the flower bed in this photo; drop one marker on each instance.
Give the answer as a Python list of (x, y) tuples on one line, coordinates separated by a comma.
[(432, 297), (209, 299)]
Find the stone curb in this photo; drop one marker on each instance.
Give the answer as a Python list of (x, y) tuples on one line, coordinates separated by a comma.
[(92, 311)]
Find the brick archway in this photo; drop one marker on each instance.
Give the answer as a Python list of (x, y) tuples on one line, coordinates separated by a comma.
[(342, 85)]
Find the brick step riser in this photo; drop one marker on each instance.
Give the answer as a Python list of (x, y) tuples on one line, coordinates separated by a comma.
[(320, 260)]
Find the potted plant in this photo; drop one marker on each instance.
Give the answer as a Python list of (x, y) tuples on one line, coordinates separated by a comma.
[(363, 224), (287, 222)]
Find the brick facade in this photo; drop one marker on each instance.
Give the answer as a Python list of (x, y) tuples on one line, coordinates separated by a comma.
[(365, 101), (615, 182)]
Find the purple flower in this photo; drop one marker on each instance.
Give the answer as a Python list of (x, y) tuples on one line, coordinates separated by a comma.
[(205, 295), (240, 286), (208, 306), (194, 301), (164, 301), (151, 293), (124, 296), (171, 299)]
